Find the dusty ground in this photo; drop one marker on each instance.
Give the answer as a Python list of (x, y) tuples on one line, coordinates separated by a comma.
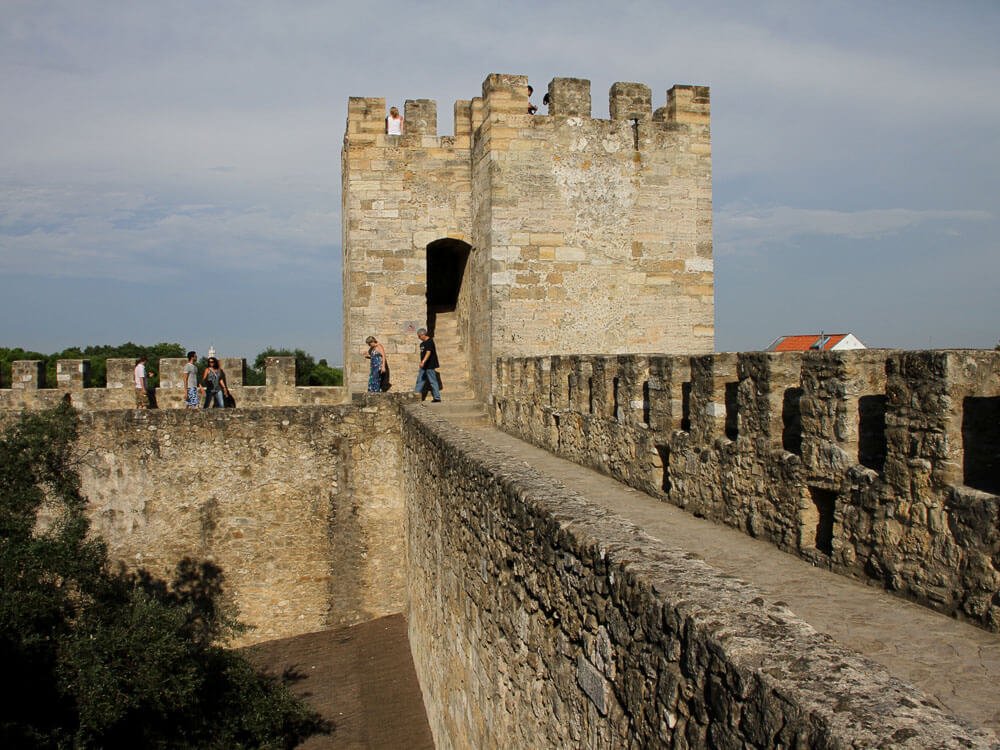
[(361, 678)]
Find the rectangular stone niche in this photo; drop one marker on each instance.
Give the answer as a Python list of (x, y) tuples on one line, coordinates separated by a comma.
[(791, 421), (817, 521), (871, 432), (981, 443), (664, 453)]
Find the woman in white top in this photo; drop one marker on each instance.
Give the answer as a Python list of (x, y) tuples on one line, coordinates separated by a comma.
[(394, 122)]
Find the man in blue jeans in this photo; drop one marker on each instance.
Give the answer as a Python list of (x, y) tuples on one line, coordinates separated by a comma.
[(428, 365)]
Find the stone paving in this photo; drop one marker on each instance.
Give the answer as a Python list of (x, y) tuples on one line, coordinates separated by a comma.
[(956, 663)]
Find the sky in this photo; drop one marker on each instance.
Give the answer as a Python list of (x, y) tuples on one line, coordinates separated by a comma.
[(170, 170)]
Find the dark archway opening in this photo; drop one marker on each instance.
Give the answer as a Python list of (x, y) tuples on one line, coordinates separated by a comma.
[(817, 522), (871, 432), (981, 442), (732, 410), (446, 262), (791, 421)]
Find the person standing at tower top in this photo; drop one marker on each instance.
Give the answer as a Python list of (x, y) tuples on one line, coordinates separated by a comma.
[(427, 374), (531, 107), (394, 122)]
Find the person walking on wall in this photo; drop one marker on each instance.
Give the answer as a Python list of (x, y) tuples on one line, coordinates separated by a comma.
[(151, 388), (189, 378), (428, 365), (378, 375), (394, 122), (216, 389), (141, 400)]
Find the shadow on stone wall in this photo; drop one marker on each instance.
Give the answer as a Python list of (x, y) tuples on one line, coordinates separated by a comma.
[(878, 464)]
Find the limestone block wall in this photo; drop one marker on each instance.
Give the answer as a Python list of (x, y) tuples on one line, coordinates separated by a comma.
[(880, 464), (28, 389), (400, 193), (537, 620), (599, 232), (298, 505), (555, 209)]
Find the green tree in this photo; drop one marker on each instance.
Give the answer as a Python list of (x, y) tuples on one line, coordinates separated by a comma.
[(307, 371), (326, 375), (99, 657)]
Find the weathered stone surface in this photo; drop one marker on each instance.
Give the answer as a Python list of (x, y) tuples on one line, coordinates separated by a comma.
[(301, 507), (539, 620), (28, 390), (582, 234), (877, 464)]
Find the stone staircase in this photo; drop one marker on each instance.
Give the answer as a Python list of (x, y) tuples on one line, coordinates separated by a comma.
[(465, 413), (456, 381)]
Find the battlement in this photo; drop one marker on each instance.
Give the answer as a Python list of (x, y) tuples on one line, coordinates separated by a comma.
[(504, 223), (28, 388), (507, 94), (879, 464)]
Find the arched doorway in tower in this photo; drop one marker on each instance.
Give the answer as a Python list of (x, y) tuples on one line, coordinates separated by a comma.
[(446, 262), (447, 314)]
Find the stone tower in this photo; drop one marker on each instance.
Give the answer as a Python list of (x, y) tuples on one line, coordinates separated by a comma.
[(527, 234)]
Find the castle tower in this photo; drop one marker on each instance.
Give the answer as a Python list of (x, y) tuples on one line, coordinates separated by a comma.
[(528, 234)]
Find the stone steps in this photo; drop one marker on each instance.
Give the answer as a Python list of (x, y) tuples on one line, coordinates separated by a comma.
[(456, 380)]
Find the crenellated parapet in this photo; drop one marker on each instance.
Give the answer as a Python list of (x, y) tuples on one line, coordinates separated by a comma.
[(507, 94), (528, 213), (879, 464), (29, 390)]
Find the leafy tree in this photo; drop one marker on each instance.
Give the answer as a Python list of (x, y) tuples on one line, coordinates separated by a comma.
[(307, 371), (99, 657), (323, 374)]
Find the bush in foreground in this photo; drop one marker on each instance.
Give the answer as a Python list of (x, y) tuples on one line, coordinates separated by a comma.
[(99, 657)]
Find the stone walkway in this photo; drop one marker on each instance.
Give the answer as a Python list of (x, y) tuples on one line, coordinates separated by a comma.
[(957, 663)]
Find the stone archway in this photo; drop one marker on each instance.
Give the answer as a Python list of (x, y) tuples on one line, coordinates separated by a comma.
[(447, 321), (446, 262)]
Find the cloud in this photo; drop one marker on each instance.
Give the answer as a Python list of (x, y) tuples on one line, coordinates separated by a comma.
[(151, 141), (84, 231), (741, 230)]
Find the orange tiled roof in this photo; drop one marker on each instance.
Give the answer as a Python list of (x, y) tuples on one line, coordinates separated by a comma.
[(805, 343)]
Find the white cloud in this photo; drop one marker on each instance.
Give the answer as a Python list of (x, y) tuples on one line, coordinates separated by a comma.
[(742, 230), (150, 139), (130, 236)]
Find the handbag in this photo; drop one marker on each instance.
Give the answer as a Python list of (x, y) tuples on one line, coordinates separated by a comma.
[(228, 401), (383, 380)]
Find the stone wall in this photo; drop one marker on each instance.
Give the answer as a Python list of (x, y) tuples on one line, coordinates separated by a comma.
[(551, 209), (400, 193), (878, 464), (301, 507), (537, 620), (614, 212), (28, 388)]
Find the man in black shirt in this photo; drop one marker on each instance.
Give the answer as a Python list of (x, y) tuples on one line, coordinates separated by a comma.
[(428, 365)]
